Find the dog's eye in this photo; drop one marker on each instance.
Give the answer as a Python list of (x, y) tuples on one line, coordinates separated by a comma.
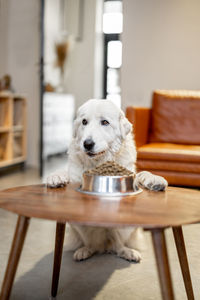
[(104, 122), (84, 122)]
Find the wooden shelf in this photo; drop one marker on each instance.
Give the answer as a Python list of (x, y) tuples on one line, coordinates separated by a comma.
[(12, 129), (6, 163), (4, 129), (5, 112)]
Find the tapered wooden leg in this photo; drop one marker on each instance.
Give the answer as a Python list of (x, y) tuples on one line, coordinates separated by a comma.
[(60, 233), (162, 263), (15, 252), (180, 246)]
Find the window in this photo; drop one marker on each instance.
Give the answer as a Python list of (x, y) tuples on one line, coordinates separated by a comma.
[(112, 28), (112, 17)]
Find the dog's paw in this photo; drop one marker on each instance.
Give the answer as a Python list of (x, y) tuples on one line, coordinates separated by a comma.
[(82, 253), (151, 182), (57, 179), (129, 254)]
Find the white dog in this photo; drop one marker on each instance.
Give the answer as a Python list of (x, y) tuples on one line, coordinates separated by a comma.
[(102, 133)]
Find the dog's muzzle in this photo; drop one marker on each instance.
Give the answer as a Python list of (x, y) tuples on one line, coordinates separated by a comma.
[(88, 145)]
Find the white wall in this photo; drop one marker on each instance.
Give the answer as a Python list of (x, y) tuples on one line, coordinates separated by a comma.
[(83, 72), (161, 48), (51, 34), (21, 61), (3, 36), (84, 64)]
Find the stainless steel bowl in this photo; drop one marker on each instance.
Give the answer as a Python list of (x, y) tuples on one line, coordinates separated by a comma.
[(108, 185)]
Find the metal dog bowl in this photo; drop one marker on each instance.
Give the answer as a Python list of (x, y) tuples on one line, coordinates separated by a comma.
[(108, 185)]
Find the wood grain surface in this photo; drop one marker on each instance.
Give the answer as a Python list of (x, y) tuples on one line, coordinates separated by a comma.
[(174, 207)]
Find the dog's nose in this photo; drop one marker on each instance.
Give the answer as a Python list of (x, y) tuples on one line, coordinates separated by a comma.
[(88, 144)]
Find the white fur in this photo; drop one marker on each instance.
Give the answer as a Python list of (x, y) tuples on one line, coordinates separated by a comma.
[(113, 142)]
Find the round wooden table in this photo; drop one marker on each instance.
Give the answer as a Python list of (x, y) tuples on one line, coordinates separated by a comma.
[(154, 211)]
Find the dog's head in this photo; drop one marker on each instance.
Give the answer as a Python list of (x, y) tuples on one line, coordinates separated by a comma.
[(100, 127)]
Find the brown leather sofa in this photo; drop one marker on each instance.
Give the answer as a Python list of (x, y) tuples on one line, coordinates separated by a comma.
[(168, 136)]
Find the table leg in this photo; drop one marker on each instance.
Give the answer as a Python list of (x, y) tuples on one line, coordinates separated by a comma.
[(160, 250), (180, 246), (59, 240), (15, 252)]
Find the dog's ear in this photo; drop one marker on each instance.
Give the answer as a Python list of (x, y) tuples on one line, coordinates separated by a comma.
[(125, 125), (77, 121), (75, 127)]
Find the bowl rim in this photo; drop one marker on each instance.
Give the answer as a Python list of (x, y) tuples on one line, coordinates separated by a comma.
[(109, 194)]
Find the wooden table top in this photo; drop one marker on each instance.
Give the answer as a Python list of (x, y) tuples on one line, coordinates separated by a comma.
[(174, 207)]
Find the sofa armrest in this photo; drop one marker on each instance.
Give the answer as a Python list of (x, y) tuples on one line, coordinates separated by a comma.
[(140, 118)]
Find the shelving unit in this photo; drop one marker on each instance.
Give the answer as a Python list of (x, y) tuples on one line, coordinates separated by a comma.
[(12, 129)]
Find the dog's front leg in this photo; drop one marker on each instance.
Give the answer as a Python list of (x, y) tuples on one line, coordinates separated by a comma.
[(85, 235), (120, 249), (57, 179), (150, 181), (83, 253)]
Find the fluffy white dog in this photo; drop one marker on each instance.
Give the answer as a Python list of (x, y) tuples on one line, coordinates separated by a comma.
[(102, 133)]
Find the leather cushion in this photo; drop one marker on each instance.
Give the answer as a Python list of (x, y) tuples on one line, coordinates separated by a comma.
[(140, 118), (169, 152), (176, 117), (187, 167)]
